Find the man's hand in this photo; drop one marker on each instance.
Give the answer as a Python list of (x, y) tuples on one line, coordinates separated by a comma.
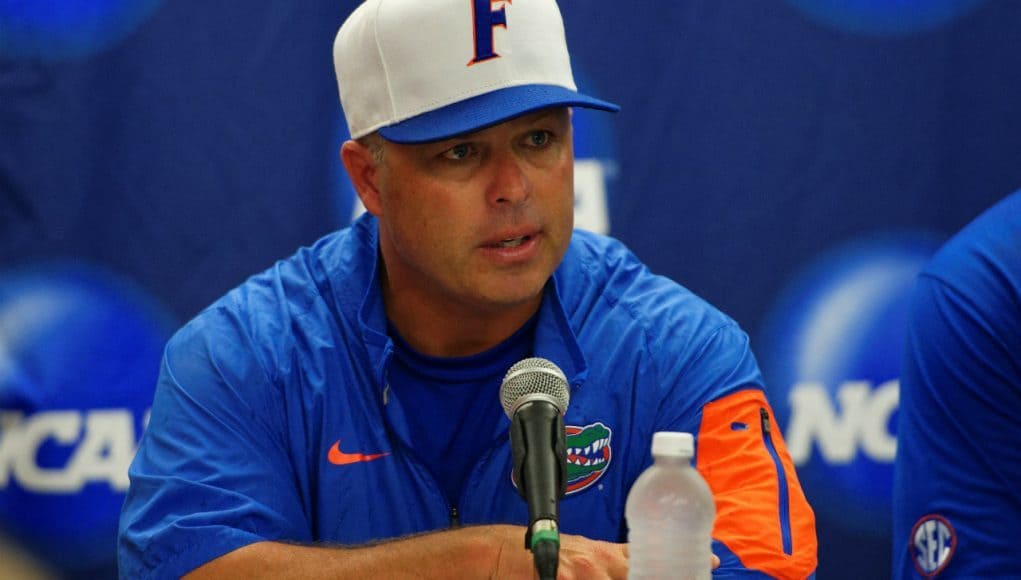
[(580, 558)]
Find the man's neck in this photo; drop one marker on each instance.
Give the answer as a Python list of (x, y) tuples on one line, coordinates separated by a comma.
[(444, 329)]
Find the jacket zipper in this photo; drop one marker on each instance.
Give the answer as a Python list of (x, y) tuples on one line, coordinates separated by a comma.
[(455, 516), (785, 510)]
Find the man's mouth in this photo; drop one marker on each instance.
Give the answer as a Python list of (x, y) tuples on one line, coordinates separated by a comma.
[(512, 242)]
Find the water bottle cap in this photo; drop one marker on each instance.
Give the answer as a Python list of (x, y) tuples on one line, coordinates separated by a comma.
[(673, 444)]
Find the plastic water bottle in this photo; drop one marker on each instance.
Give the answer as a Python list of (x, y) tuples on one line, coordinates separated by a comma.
[(670, 513)]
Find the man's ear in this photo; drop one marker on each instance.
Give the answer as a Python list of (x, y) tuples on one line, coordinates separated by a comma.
[(363, 169)]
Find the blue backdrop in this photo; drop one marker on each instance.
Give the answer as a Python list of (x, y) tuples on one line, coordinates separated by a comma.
[(792, 161)]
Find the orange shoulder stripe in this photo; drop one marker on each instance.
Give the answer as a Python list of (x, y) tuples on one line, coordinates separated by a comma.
[(762, 515)]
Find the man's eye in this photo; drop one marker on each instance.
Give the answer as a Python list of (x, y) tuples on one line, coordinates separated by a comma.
[(539, 138), (459, 151)]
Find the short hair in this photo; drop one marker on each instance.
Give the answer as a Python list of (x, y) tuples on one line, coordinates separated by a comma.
[(374, 143)]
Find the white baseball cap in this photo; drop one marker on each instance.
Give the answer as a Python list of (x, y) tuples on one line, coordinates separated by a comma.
[(425, 70)]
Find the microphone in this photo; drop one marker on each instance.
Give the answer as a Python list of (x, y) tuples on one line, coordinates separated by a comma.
[(534, 395)]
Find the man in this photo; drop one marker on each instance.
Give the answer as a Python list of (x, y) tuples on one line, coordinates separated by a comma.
[(958, 462), (349, 395)]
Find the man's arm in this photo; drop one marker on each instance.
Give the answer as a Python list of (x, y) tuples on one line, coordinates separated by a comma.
[(764, 524), (494, 551), (763, 520)]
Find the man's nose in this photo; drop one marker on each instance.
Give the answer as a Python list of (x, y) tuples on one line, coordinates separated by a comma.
[(510, 183)]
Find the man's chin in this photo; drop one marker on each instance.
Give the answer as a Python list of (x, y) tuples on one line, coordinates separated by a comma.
[(511, 296)]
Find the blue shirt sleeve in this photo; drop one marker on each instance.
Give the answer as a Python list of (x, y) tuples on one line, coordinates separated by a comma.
[(958, 457), (211, 474)]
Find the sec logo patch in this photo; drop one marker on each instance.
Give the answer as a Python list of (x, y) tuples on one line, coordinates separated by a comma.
[(932, 544)]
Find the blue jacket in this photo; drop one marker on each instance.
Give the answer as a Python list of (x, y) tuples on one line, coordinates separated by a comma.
[(272, 418)]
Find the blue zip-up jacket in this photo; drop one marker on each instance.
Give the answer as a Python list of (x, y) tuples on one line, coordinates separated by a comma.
[(273, 420)]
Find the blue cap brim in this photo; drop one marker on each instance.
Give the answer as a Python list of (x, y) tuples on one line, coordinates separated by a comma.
[(486, 110)]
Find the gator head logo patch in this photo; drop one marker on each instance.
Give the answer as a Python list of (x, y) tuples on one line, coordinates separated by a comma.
[(588, 455)]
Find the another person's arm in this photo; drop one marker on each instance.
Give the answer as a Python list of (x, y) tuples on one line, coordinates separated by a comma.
[(958, 459)]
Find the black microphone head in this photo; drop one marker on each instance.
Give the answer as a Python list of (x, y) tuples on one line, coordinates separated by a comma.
[(534, 379)]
